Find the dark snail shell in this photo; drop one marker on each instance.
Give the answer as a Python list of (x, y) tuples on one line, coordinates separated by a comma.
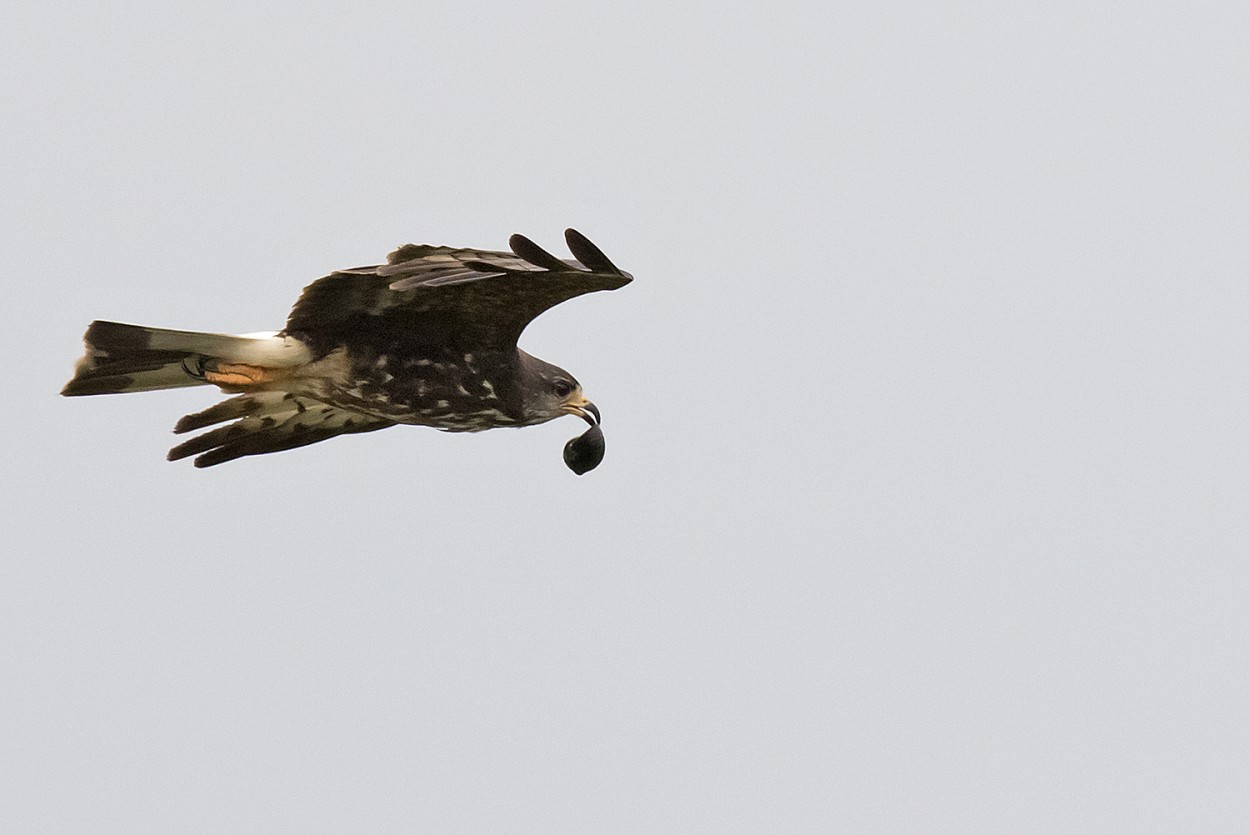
[(583, 453)]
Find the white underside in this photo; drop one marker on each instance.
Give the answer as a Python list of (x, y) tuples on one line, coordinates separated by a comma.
[(266, 348)]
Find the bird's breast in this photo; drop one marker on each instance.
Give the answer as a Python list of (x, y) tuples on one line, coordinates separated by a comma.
[(456, 392)]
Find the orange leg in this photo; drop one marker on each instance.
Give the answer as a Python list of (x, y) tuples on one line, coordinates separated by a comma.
[(234, 377)]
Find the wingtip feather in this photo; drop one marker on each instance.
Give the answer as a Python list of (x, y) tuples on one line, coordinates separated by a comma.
[(587, 253), (527, 250)]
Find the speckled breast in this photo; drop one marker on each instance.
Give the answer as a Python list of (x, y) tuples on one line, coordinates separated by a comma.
[(453, 391)]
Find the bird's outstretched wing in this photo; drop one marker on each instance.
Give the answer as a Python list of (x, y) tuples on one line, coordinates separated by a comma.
[(266, 421), (440, 295)]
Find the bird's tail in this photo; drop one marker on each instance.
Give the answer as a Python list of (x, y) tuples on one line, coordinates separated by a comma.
[(123, 358)]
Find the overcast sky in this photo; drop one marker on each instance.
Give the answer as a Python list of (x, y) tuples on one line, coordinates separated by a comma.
[(924, 506)]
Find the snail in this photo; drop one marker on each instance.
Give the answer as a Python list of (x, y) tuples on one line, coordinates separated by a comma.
[(583, 453)]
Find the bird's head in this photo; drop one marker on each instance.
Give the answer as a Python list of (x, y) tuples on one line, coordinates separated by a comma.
[(550, 392)]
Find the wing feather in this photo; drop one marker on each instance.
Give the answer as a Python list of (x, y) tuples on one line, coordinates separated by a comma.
[(442, 295), (266, 422), (589, 254), (529, 251)]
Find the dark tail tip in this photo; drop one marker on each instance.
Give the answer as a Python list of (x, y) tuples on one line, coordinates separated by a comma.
[(83, 386), (116, 337)]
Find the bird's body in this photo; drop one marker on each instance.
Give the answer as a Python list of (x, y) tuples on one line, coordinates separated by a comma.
[(429, 339), (415, 385)]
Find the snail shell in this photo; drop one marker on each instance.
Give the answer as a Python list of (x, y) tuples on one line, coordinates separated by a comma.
[(583, 453)]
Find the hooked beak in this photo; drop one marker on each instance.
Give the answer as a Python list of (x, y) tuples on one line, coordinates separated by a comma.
[(585, 410)]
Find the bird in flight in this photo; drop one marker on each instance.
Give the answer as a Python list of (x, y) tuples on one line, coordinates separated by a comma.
[(429, 338)]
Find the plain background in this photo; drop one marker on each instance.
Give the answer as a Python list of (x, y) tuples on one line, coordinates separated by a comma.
[(924, 506)]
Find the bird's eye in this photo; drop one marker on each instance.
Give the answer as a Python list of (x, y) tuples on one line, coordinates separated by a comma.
[(562, 388)]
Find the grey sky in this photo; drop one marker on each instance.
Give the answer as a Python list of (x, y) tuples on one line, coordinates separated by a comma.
[(924, 501)]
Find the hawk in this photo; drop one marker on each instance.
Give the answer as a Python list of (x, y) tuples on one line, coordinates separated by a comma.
[(429, 338)]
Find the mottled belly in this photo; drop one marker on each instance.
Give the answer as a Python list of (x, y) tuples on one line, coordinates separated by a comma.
[(453, 394)]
